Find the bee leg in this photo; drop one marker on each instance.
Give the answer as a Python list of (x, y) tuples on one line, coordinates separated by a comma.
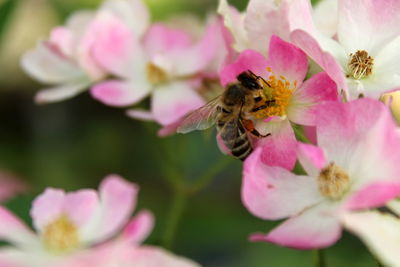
[(249, 125), (259, 108)]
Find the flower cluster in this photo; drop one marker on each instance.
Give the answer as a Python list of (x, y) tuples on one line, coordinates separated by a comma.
[(84, 228), (322, 69)]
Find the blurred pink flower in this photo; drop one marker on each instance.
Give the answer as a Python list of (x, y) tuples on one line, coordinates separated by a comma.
[(364, 58), (295, 101), (164, 63), (69, 224), (262, 19), (10, 185), (65, 60), (356, 167)]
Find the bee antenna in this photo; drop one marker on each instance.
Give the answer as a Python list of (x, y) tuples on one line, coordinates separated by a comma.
[(259, 77)]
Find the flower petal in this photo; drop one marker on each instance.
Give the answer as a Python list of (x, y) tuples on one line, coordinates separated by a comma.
[(197, 57), (47, 207), (134, 13), (374, 195), (327, 62), (172, 101), (273, 192), (80, 206), (279, 149), (49, 66), (312, 158), (313, 228), (120, 93), (116, 48), (14, 230), (247, 60), (117, 201), (287, 60), (326, 17), (61, 92), (149, 256), (140, 114), (361, 19), (305, 100), (161, 39), (380, 232), (139, 228)]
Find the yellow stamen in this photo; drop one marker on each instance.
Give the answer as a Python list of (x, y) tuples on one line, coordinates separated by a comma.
[(278, 92), (155, 74), (333, 181), (61, 235)]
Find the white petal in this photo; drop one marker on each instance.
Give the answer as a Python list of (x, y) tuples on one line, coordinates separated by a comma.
[(61, 92)]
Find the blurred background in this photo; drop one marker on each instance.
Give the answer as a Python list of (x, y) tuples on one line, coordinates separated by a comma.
[(75, 143)]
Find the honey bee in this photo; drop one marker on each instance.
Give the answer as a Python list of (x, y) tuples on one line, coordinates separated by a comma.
[(231, 112)]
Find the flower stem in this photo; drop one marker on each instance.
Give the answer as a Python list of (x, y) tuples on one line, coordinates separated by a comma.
[(319, 259), (174, 216)]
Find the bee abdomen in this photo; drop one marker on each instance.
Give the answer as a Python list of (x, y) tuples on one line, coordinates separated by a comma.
[(242, 149)]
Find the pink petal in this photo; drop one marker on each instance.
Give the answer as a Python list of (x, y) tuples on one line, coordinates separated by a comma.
[(313, 228), (374, 195), (80, 206), (14, 230), (305, 100), (273, 192), (139, 228), (169, 129), (287, 60), (133, 13), (140, 114), (120, 93), (197, 57), (48, 65), (327, 62), (118, 199), (172, 101), (148, 256), (248, 60), (160, 39), (361, 19), (47, 207), (312, 158), (279, 149), (11, 185), (61, 92), (63, 38), (115, 47)]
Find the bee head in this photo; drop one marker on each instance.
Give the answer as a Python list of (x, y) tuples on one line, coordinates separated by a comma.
[(248, 80)]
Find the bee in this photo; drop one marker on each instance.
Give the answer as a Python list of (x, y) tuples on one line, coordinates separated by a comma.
[(231, 112)]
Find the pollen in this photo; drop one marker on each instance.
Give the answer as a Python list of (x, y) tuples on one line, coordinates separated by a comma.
[(278, 92), (155, 74), (333, 181), (360, 65), (61, 235)]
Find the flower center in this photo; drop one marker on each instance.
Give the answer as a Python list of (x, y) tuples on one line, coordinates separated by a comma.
[(278, 92), (155, 74), (333, 181), (360, 65), (61, 235)]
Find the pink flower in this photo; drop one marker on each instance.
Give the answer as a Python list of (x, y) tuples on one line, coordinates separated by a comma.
[(65, 60), (355, 167), (10, 185), (79, 229), (262, 19), (364, 58), (295, 101), (164, 64)]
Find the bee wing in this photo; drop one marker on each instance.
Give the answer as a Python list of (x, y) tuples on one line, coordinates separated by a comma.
[(201, 118)]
